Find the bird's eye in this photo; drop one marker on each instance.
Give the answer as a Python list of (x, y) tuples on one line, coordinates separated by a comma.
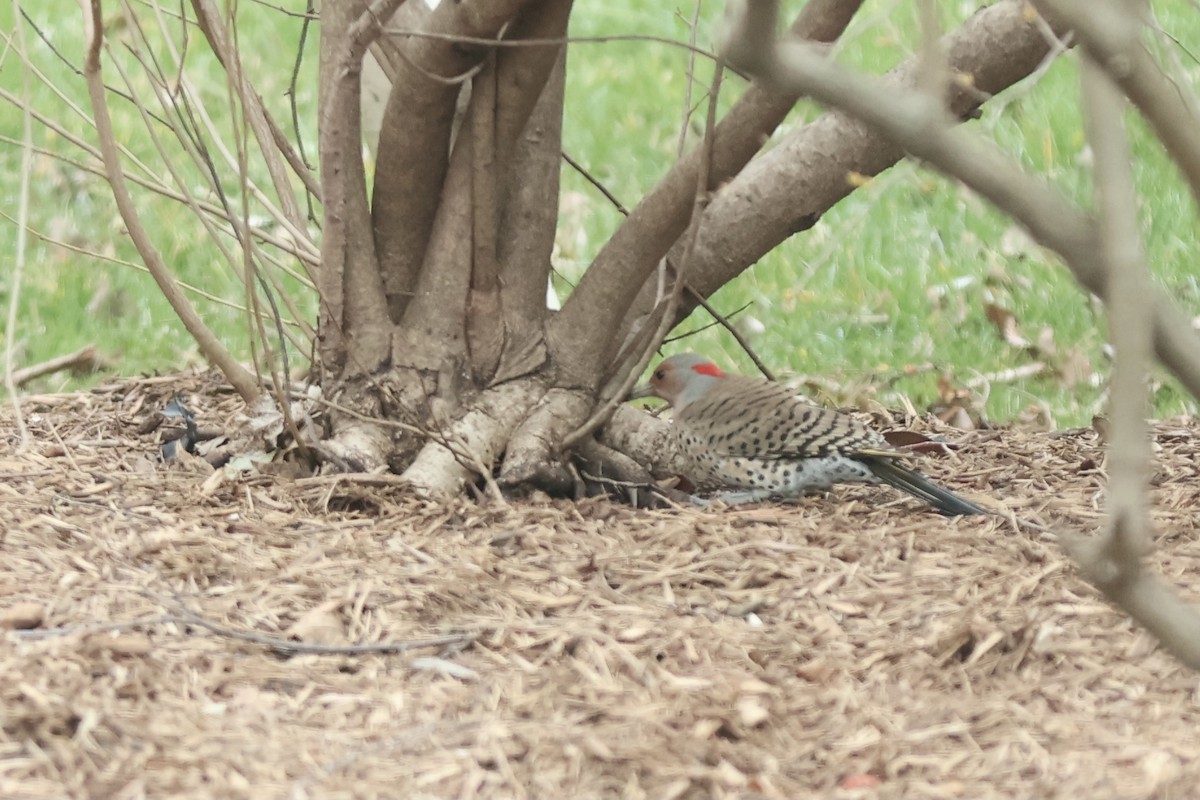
[(660, 374)]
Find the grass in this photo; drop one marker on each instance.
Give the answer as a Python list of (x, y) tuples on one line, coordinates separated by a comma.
[(886, 296)]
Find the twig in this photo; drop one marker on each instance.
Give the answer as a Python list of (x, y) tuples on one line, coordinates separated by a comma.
[(693, 26), (212, 347), (14, 292), (594, 181), (720, 319), (83, 359), (280, 645), (1005, 375), (104, 627), (732, 330), (551, 42)]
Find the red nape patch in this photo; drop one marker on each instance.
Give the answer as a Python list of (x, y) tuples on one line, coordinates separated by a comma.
[(709, 368)]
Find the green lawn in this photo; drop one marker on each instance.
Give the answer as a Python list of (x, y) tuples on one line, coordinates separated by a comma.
[(887, 295)]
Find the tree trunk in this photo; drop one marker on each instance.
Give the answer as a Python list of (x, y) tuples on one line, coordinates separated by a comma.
[(433, 315)]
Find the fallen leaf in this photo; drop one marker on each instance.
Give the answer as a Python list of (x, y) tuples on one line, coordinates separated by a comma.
[(1006, 323)]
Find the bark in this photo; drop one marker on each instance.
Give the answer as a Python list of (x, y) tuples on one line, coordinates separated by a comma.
[(530, 141), (353, 329), (414, 143), (472, 444), (528, 224), (434, 330)]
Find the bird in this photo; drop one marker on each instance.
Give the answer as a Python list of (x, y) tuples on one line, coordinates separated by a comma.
[(755, 439)]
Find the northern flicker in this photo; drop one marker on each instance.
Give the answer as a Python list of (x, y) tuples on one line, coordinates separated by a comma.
[(757, 437)]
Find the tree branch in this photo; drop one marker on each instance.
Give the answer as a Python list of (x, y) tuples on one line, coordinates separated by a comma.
[(921, 126), (612, 281), (1113, 563), (789, 188), (1129, 314), (242, 380)]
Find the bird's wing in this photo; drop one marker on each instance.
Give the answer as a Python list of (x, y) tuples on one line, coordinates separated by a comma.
[(751, 418)]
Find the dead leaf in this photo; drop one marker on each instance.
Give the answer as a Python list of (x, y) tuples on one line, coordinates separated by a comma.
[(917, 442), (1045, 341), (1006, 323), (905, 438), (1076, 368), (1016, 243)]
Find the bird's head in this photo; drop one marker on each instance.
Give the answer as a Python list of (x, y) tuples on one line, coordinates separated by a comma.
[(681, 380)]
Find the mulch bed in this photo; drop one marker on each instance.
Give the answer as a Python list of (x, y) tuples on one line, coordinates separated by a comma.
[(189, 636)]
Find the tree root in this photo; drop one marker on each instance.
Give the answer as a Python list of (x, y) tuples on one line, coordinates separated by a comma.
[(533, 455), (643, 438), (471, 444)]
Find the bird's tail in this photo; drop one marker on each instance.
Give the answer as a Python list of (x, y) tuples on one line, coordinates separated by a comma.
[(916, 484)]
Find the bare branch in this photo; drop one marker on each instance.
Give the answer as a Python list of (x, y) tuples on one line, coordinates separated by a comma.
[(631, 255), (252, 106), (212, 348), (918, 124), (11, 377), (1114, 562), (1129, 314), (636, 356), (84, 359), (789, 188)]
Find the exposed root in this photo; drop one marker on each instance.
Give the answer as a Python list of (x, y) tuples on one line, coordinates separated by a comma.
[(533, 452), (356, 446), (643, 438), (472, 444)]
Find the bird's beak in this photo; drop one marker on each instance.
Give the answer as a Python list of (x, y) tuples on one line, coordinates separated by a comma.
[(638, 392)]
